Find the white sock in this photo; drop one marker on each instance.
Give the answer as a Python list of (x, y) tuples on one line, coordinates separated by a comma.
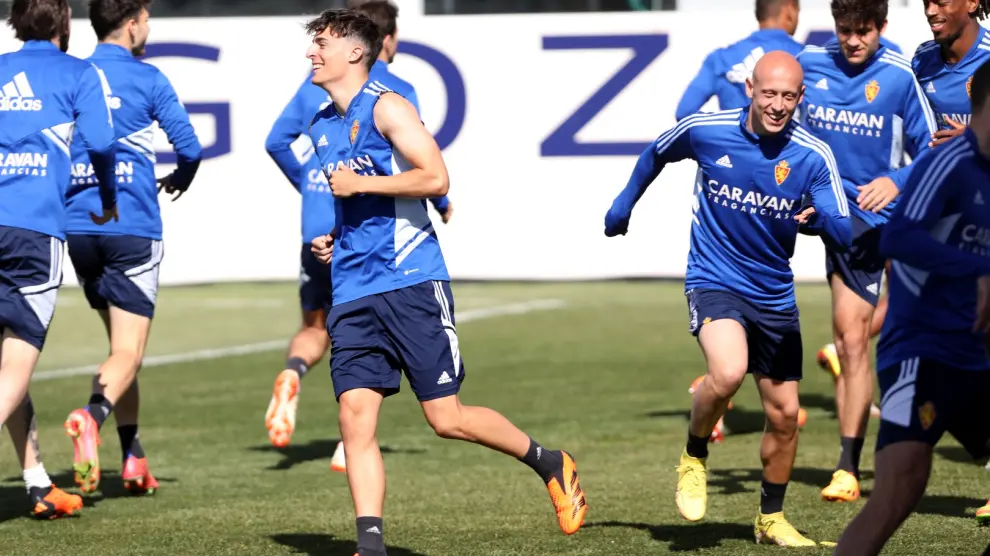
[(37, 477)]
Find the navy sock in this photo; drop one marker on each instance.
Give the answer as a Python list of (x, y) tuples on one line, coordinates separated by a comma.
[(545, 462), (697, 446), (369, 533), (130, 445), (100, 408), (849, 457), (772, 497), (298, 365)]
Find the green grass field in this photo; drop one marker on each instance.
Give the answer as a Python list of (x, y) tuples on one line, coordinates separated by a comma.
[(604, 374)]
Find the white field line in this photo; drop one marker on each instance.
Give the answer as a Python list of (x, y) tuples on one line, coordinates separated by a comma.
[(261, 347)]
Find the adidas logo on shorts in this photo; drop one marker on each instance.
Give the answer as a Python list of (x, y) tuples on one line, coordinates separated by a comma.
[(445, 378)]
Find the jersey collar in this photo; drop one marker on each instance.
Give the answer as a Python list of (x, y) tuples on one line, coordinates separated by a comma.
[(107, 50), (39, 45)]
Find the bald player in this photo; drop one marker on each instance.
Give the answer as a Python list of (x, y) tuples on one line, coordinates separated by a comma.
[(757, 167)]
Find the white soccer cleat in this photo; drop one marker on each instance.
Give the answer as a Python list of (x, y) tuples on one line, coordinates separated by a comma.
[(337, 463), (280, 419)]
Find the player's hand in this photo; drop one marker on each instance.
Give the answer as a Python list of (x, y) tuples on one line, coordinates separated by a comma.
[(615, 225), (344, 182), (447, 214), (982, 323), (945, 135), (877, 194), (166, 184), (804, 216), (108, 215), (322, 248)]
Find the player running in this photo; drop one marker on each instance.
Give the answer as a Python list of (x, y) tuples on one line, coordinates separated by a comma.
[(863, 100), (45, 93), (757, 166), (726, 70), (310, 344), (392, 305), (117, 265), (932, 353)]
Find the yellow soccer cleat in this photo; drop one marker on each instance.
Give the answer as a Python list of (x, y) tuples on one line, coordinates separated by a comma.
[(843, 488), (692, 487), (774, 529), (983, 514), (828, 360)]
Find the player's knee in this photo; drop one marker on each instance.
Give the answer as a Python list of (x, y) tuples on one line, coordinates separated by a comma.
[(854, 342), (783, 416), (447, 421), (726, 380), (356, 420)]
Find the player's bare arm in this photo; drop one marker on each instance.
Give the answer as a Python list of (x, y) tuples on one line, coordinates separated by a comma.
[(398, 122)]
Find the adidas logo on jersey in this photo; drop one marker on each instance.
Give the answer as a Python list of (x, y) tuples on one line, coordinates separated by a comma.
[(823, 84), (322, 142), (931, 87), (17, 96), (724, 161), (743, 70), (445, 378)]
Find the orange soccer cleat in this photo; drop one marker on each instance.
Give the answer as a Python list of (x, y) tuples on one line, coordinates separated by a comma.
[(567, 496)]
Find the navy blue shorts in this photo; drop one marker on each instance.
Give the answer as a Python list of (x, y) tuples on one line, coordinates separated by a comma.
[(773, 337), (922, 399), (315, 288), (118, 270), (30, 274), (861, 267), (411, 329)]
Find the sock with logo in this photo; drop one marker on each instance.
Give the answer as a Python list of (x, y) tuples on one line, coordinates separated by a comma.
[(130, 445), (545, 462), (100, 408), (369, 536), (772, 497), (852, 448), (697, 446), (298, 365)]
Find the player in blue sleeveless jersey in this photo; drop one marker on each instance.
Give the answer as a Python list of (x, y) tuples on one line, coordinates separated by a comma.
[(864, 101), (725, 70), (44, 93), (311, 342), (757, 166), (118, 264), (933, 349), (392, 305)]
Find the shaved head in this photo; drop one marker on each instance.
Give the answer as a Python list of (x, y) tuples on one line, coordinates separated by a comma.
[(776, 88)]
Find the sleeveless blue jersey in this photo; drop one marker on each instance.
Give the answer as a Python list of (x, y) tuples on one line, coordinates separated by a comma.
[(140, 95), (44, 94), (382, 243), (947, 85)]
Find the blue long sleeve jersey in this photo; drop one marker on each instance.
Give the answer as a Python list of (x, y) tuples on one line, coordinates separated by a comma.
[(304, 173), (749, 190), (947, 85), (725, 70), (44, 93), (939, 241), (140, 95), (870, 115)]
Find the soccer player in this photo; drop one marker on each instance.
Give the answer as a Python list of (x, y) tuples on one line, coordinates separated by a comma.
[(726, 70), (311, 342), (932, 353), (393, 310), (117, 264), (863, 100), (757, 165), (45, 93)]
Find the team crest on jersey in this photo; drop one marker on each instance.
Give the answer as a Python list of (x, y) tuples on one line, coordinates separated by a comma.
[(781, 171), (872, 90), (354, 130), (926, 414), (969, 87)]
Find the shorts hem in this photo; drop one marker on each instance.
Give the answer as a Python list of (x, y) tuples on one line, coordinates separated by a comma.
[(387, 390), (437, 395)]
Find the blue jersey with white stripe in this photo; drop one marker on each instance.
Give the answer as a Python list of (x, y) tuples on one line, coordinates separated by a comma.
[(44, 94), (939, 241), (725, 71), (749, 190), (304, 172), (947, 85), (382, 243), (870, 115), (140, 96)]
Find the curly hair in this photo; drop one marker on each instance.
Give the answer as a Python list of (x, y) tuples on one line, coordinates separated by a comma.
[(860, 11)]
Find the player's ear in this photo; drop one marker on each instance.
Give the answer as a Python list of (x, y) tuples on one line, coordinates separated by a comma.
[(883, 28), (357, 52)]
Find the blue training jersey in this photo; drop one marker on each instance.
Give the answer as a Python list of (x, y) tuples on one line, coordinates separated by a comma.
[(749, 190), (947, 85), (725, 70), (939, 241), (870, 115), (44, 93), (140, 95), (304, 173), (382, 243)]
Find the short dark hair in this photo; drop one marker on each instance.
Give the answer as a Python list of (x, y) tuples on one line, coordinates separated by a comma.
[(107, 16), (979, 91), (982, 10), (38, 20), (350, 24), (383, 12), (766, 9), (858, 12)]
